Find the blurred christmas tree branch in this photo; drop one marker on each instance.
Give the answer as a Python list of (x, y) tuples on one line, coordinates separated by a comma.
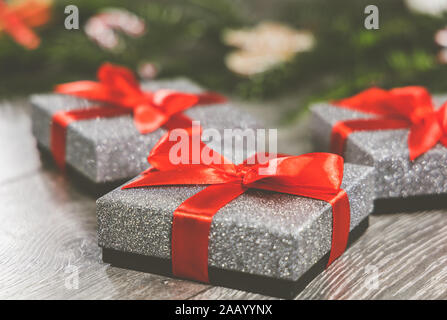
[(186, 38)]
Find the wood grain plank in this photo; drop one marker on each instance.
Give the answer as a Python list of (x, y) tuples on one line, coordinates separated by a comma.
[(48, 238), (406, 253), (409, 252)]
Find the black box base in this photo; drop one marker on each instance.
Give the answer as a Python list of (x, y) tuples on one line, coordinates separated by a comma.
[(81, 182), (410, 204), (233, 279)]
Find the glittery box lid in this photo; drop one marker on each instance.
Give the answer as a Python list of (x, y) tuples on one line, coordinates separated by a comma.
[(387, 151), (261, 233), (111, 149)]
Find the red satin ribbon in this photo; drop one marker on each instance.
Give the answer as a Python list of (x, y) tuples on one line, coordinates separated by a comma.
[(399, 108), (120, 91), (62, 119), (314, 175), (16, 20)]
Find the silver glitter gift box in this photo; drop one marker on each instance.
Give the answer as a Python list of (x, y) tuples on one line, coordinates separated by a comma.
[(401, 184), (109, 151), (262, 241)]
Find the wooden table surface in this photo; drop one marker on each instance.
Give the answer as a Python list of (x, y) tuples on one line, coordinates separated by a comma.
[(48, 242)]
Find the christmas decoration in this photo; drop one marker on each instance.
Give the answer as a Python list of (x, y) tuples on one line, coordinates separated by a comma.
[(102, 28), (187, 37)]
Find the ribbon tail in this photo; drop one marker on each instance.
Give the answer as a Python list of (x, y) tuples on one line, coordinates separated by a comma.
[(186, 146), (182, 175), (21, 33), (423, 137), (191, 228), (148, 119), (171, 101), (88, 90)]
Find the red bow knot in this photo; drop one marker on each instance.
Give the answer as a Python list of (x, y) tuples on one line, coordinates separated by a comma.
[(314, 175), (118, 88), (400, 108)]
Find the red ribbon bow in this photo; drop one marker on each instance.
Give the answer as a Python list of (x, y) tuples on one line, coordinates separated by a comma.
[(399, 108), (17, 19), (118, 88), (314, 175)]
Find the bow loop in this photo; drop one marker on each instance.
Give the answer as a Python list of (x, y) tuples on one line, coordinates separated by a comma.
[(442, 117), (171, 101), (148, 119), (424, 135), (184, 147), (407, 107), (243, 171), (182, 175), (88, 90), (413, 102), (118, 77), (316, 172)]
